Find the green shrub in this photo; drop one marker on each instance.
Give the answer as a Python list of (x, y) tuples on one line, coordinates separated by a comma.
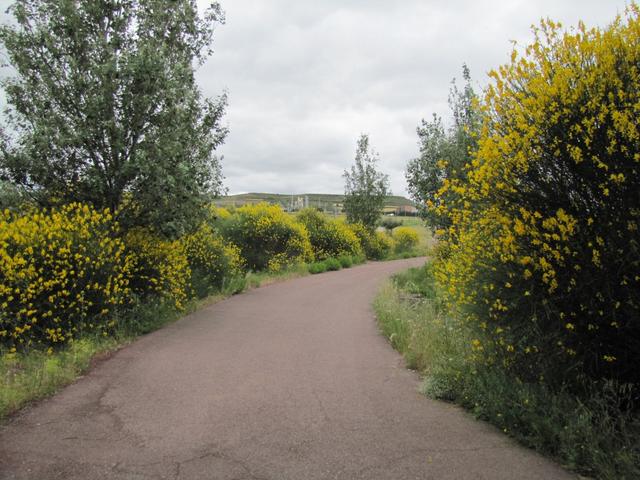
[(375, 245), (345, 261), (358, 259), (268, 238), (213, 262), (12, 198), (332, 264), (317, 267), (329, 238), (406, 238), (389, 223)]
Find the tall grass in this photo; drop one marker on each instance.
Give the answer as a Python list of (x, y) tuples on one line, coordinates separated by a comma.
[(258, 279), (26, 377), (596, 434)]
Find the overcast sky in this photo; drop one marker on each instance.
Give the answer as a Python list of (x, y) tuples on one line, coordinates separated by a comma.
[(305, 78)]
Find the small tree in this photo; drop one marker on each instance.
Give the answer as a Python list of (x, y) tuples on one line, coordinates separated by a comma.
[(444, 153), (106, 111), (365, 188)]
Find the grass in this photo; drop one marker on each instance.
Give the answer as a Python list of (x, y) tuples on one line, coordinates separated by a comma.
[(317, 267), (260, 279), (591, 434), (26, 377), (330, 264), (410, 315), (345, 261)]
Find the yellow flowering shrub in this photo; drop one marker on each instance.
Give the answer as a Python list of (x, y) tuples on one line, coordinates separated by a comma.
[(62, 271), (542, 252), (160, 267), (268, 238), (212, 260), (219, 212), (329, 238), (405, 238)]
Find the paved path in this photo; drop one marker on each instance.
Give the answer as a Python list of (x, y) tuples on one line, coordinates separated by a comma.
[(289, 381)]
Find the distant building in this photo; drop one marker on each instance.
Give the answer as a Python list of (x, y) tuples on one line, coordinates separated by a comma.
[(406, 211)]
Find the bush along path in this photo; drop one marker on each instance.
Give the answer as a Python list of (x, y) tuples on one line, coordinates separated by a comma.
[(288, 381)]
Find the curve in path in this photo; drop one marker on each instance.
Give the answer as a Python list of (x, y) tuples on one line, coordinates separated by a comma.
[(289, 381)]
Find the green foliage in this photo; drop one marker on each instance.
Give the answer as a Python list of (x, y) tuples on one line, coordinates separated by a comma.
[(389, 223), (332, 264), (317, 267), (406, 239), (365, 188), (444, 153), (359, 259), (345, 261), (11, 197), (329, 238), (268, 238), (105, 109), (376, 245)]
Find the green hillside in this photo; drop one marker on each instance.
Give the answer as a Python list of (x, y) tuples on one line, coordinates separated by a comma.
[(323, 200)]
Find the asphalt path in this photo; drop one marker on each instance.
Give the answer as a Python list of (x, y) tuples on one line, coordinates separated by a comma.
[(288, 381)]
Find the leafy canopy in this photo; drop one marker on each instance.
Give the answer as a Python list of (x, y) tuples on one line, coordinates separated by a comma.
[(105, 109), (365, 187), (444, 153)]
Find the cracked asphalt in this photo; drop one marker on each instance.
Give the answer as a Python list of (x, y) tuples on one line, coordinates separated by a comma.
[(288, 381)]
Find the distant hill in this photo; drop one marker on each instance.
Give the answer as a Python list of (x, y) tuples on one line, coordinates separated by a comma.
[(326, 201)]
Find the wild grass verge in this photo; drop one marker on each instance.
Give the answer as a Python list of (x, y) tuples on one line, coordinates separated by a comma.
[(331, 264), (259, 279), (595, 434)]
